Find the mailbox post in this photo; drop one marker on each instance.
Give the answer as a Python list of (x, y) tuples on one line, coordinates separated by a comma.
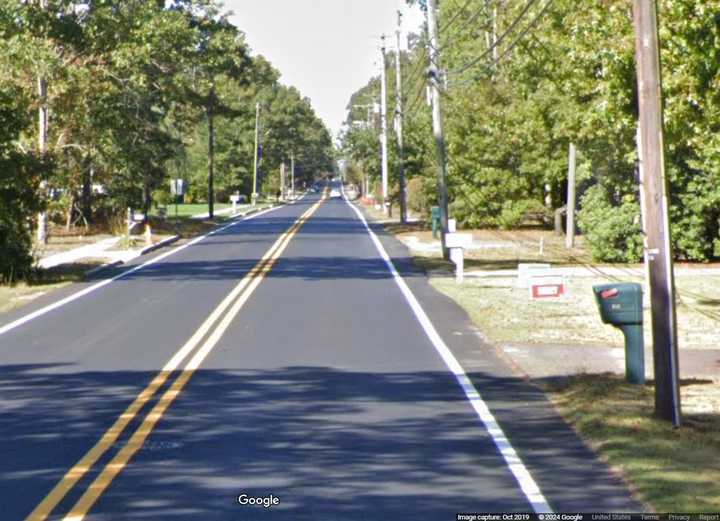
[(621, 306), (234, 199), (435, 220), (457, 243)]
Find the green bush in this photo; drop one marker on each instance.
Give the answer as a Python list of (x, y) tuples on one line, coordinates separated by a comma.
[(514, 213), (417, 196), (612, 231), (18, 203), (162, 197)]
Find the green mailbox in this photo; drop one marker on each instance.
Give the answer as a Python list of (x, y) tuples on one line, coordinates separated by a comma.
[(621, 306), (435, 220)]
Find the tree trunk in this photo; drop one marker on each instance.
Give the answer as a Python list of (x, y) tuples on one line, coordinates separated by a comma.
[(86, 193), (559, 220), (147, 200), (69, 215)]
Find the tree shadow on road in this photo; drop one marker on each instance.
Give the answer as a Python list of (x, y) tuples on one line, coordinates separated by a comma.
[(331, 443)]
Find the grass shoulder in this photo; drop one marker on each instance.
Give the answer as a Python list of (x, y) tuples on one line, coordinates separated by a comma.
[(672, 470)]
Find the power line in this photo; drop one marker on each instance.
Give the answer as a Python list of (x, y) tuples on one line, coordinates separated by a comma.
[(497, 42), (459, 30), (414, 75), (455, 17), (525, 31), (514, 43), (417, 98)]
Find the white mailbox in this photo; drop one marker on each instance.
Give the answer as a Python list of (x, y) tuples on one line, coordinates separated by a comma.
[(458, 240), (456, 243)]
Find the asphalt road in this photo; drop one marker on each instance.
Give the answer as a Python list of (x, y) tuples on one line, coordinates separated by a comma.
[(317, 384)]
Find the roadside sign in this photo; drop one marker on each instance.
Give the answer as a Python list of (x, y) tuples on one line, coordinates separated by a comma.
[(177, 187), (527, 270), (546, 287)]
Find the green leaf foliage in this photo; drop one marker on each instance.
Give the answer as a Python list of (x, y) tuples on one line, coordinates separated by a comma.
[(565, 73), (133, 86)]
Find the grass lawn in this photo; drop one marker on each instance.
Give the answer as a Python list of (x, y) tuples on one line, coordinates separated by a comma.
[(186, 226), (673, 470), (188, 210), (505, 313), (44, 281)]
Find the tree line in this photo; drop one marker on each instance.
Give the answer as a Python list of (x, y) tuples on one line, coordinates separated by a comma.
[(525, 78), (102, 102)]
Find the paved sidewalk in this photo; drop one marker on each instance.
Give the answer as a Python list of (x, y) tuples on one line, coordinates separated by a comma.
[(416, 244), (591, 272), (550, 360), (224, 211), (102, 250), (96, 250)]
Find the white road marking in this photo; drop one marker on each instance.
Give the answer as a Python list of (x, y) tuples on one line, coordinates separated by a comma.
[(527, 484), (55, 305)]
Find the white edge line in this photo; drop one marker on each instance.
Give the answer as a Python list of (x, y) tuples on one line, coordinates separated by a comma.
[(42, 311), (527, 484)]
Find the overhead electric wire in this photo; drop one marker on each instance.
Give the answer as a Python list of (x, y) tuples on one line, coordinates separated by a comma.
[(497, 42), (455, 17), (414, 74), (418, 67), (514, 43), (459, 30), (525, 31), (418, 97)]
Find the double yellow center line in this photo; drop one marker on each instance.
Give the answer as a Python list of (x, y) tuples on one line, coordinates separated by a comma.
[(211, 331)]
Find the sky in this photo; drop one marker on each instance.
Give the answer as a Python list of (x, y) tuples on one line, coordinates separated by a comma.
[(328, 49)]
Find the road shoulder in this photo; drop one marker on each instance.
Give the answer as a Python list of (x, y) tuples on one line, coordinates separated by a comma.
[(566, 469)]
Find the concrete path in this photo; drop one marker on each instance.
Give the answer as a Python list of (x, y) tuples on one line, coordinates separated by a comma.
[(95, 250), (224, 211), (550, 360)]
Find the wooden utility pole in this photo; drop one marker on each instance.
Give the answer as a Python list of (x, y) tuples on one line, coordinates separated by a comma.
[(282, 180), (292, 173), (255, 164), (211, 153), (399, 116), (434, 74), (383, 129), (570, 208), (43, 122), (655, 220)]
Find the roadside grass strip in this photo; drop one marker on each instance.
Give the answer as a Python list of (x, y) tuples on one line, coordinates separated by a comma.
[(527, 484), (674, 470), (211, 330)]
